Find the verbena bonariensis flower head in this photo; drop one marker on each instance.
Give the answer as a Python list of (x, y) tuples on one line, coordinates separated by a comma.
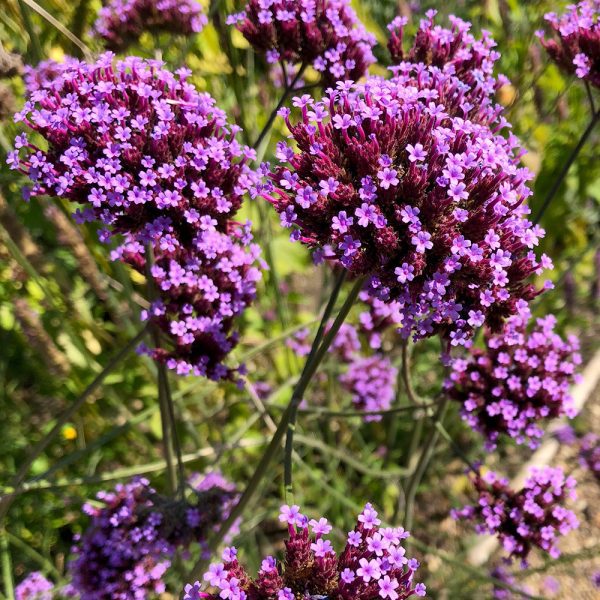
[(533, 517), (429, 205), (453, 50), (589, 453), (120, 23), (203, 289), (324, 34), (575, 44), (46, 74), (126, 550), (371, 381), (373, 565), (34, 587), (139, 147), (518, 381), (154, 160)]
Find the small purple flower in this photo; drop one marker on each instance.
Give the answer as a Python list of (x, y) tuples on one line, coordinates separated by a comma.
[(34, 587)]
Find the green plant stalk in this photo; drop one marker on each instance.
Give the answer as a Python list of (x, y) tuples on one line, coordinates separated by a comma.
[(424, 460), (34, 48), (569, 162), (6, 501), (45, 565), (7, 572), (164, 393), (312, 362), (289, 438)]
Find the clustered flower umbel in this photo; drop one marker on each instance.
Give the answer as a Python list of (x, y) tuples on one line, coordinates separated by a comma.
[(373, 565), (324, 34), (456, 52), (34, 587), (154, 160), (520, 379), (120, 23), (575, 43), (127, 548), (533, 517), (404, 187)]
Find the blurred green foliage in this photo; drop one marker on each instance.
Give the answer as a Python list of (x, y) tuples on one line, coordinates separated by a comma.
[(65, 309)]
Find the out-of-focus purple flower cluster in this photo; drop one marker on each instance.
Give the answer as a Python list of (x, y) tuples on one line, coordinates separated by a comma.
[(46, 74), (324, 34), (155, 161), (373, 565), (431, 206), (575, 44), (533, 517), (34, 587), (589, 453), (500, 593), (453, 50), (126, 550), (120, 23), (371, 380), (369, 376), (520, 379)]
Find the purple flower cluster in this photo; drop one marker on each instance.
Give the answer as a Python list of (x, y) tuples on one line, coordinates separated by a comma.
[(155, 161), (575, 45), (500, 593), (126, 550), (324, 34), (371, 380), (589, 453), (34, 587), (531, 517), (404, 187), (518, 380), (46, 74), (373, 565), (453, 50), (120, 23)]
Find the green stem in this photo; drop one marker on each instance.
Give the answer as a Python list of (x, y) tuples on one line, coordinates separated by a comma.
[(364, 413), (21, 474), (569, 162), (289, 439), (288, 89), (34, 49), (422, 465), (164, 392), (7, 572), (312, 362)]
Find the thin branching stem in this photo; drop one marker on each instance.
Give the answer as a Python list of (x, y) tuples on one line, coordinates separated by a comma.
[(424, 460), (167, 419), (289, 438), (564, 171), (287, 90)]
